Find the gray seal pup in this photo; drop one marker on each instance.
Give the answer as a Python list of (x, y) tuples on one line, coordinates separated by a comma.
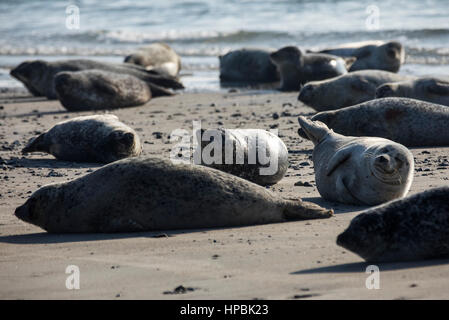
[(146, 194), (38, 75), (253, 154), (297, 68), (96, 90), (97, 138), (410, 122), (358, 170), (430, 89), (413, 228), (247, 66), (158, 57), (387, 56), (346, 90)]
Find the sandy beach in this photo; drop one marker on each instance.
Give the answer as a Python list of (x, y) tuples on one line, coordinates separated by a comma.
[(295, 260)]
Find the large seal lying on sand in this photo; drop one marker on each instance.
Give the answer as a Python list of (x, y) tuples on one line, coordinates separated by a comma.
[(247, 66), (253, 154), (158, 57), (354, 170), (297, 68), (413, 228), (96, 90), (428, 89), (413, 123), (144, 194), (38, 75), (98, 138), (379, 55), (346, 90)]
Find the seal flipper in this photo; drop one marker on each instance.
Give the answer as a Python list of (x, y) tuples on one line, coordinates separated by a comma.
[(340, 157), (314, 130), (299, 210)]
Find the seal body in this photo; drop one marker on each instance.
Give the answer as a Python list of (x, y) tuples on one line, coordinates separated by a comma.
[(158, 57), (413, 228), (297, 68), (430, 89), (97, 138), (346, 90), (253, 154), (358, 170), (144, 194), (247, 66), (388, 56), (38, 75), (96, 90), (411, 122)]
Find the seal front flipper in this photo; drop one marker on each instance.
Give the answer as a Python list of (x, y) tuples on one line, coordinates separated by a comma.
[(338, 159), (314, 130)]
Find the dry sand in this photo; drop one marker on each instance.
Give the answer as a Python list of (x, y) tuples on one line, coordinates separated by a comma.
[(277, 261)]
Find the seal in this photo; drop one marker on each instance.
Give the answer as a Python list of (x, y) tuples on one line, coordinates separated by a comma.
[(430, 89), (413, 228), (97, 90), (97, 138), (346, 90), (387, 56), (358, 170), (38, 75), (410, 122), (253, 154), (297, 68), (158, 57), (247, 66), (145, 194)]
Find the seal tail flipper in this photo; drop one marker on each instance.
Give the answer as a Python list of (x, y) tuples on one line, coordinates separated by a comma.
[(299, 210), (338, 159), (35, 144), (314, 130), (157, 91)]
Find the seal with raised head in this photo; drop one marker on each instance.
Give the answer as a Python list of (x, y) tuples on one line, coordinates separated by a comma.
[(38, 75), (97, 138), (346, 90), (297, 68), (145, 194), (158, 57), (430, 89), (388, 56), (253, 154), (247, 66), (413, 228), (358, 170), (97, 90), (410, 122)]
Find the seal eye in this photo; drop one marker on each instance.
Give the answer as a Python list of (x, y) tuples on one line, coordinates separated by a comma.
[(399, 162)]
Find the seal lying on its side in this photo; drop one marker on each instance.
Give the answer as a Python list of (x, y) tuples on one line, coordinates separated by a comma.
[(97, 138), (144, 194), (96, 90), (358, 170), (38, 75), (247, 66), (346, 90), (413, 228), (435, 90), (158, 57), (379, 55), (253, 154), (297, 68), (410, 122)]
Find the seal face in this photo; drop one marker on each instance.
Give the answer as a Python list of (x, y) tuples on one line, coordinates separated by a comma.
[(435, 90), (97, 138), (410, 122), (97, 90), (346, 90), (297, 68), (413, 228), (158, 57), (144, 194), (256, 155), (38, 75), (361, 171)]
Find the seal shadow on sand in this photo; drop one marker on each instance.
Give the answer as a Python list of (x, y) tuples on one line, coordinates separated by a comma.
[(51, 163)]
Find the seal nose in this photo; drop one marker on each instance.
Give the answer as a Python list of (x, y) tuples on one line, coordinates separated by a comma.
[(384, 161), (384, 91), (304, 93), (21, 213)]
